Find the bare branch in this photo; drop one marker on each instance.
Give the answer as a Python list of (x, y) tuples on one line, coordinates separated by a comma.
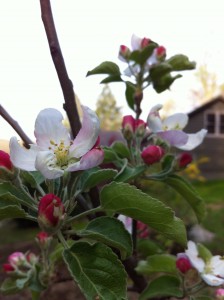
[(14, 124), (56, 54)]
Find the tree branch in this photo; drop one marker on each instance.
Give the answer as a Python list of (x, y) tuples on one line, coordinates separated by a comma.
[(14, 124), (56, 54)]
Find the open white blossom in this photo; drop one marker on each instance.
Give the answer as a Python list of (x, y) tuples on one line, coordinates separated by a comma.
[(54, 152), (171, 129), (211, 271)]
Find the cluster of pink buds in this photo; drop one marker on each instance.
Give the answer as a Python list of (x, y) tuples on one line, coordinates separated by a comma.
[(50, 213), (18, 262), (132, 127)]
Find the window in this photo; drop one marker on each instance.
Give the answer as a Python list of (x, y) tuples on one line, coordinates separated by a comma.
[(214, 123)]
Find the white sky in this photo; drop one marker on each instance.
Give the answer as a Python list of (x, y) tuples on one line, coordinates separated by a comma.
[(91, 32)]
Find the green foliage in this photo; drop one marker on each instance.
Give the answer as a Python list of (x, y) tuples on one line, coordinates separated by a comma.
[(97, 271), (129, 201), (163, 286), (109, 231)]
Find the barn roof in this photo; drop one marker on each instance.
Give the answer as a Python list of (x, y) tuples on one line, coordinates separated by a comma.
[(206, 105)]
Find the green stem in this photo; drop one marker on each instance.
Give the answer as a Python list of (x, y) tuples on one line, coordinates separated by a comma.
[(62, 239), (83, 214), (35, 295)]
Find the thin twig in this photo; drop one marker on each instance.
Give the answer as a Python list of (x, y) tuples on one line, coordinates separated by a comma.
[(56, 54), (15, 125)]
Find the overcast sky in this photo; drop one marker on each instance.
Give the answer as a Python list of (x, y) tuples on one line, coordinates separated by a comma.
[(90, 32)]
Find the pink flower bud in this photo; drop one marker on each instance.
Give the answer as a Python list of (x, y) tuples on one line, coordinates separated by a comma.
[(160, 52), (183, 263), (8, 268), (50, 212), (145, 42), (219, 293), (128, 127), (5, 160), (124, 53), (32, 258), (152, 154), (184, 159), (143, 230), (43, 237), (16, 258), (140, 126)]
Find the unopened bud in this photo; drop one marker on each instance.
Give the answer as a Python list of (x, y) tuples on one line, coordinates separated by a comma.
[(184, 159), (128, 127), (183, 263), (5, 161), (160, 52), (50, 212), (145, 42), (140, 126), (152, 154), (124, 53)]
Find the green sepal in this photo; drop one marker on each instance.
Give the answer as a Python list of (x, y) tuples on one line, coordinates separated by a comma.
[(130, 94)]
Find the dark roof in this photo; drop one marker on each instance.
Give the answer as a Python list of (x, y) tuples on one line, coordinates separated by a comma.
[(206, 105)]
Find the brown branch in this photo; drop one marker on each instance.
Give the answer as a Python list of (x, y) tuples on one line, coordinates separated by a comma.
[(14, 124), (56, 54)]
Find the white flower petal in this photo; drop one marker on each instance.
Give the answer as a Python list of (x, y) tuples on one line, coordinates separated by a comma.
[(192, 253), (22, 158), (194, 140), (177, 121), (135, 42), (87, 135), (212, 280), (217, 264), (91, 159), (49, 127), (45, 163), (174, 137), (127, 222)]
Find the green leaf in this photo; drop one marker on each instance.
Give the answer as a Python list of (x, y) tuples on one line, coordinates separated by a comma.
[(148, 247), (130, 201), (167, 168), (164, 82), (161, 287), (97, 271), (159, 70), (19, 195), (9, 208), (33, 178), (112, 78), (95, 176), (181, 62), (121, 149), (186, 190), (204, 253), (106, 67), (9, 286), (141, 56), (157, 263), (129, 94), (129, 173), (109, 155), (109, 231)]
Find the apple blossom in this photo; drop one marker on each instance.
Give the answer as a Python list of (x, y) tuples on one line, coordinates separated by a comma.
[(211, 270), (170, 129), (54, 152)]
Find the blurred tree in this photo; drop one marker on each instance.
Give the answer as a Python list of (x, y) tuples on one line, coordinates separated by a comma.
[(107, 110), (168, 108), (208, 86)]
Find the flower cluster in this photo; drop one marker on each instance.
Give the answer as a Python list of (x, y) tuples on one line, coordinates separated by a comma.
[(19, 263)]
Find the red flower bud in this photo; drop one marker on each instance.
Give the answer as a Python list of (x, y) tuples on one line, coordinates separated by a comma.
[(124, 53), (183, 263), (152, 154), (43, 237), (5, 160), (128, 127), (8, 268), (145, 42), (160, 52), (143, 230), (184, 159), (140, 126), (50, 212)]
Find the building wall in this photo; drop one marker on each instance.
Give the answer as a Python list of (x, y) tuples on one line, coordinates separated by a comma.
[(212, 147)]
